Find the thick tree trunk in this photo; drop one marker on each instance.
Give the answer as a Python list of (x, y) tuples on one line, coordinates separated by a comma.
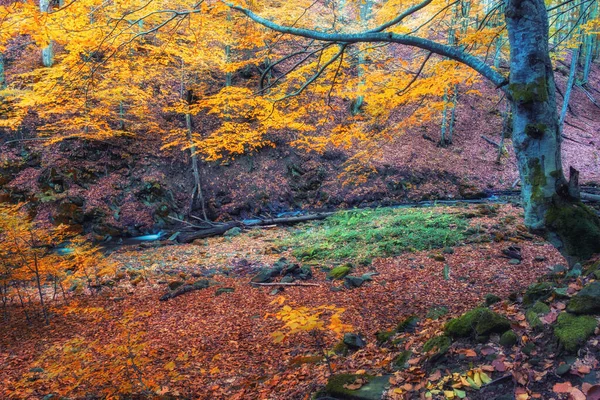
[(570, 226)]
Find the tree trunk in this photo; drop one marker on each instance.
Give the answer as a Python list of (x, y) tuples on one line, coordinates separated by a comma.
[(567, 223), (48, 51)]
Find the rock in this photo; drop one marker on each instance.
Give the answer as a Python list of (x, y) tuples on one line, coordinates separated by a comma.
[(534, 321), (480, 321), (537, 291), (540, 258), (220, 291), (437, 345), (384, 336), (353, 281), (304, 273), (448, 250), (540, 308), (573, 331), (514, 261), (354, 341), (491, 298), (340, 348), (563, 369), (339, 272), (587, 301), (235, 231), (559, 269), (508, 339), (287, 279), (400, 362), (409, 324), (528, 348), (372, 388), (439, 257)]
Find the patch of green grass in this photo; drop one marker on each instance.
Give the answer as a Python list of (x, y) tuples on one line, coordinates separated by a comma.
[(359, 236)]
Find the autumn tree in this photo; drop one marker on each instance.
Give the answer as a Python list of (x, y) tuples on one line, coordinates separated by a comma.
[(551, 203)]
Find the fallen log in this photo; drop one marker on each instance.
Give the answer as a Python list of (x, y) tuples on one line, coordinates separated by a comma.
[(285, 284), (219, 230), (590, 197), (210, 232)]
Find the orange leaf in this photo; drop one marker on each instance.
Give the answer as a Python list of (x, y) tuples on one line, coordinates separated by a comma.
[(564, 387)]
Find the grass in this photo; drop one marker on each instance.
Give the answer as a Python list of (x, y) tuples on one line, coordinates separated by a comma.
[(359, 236)]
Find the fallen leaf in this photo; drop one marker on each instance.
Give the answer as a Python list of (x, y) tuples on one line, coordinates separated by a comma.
[(470, 353), (576, 394), (564, 387), (593, 393), (499, 365), (435, 376)]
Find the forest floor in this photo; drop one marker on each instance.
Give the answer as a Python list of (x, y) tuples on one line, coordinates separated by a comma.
[(218, 344)]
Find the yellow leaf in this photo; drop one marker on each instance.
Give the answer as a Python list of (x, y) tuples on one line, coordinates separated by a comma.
[(170, 366)]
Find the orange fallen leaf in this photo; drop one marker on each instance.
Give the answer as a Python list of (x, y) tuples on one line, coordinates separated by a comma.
[(576, 394), (564, 387), (470, 353)]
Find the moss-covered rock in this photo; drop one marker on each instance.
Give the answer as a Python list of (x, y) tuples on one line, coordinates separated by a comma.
[(479, 322), (587, 301), (340, 348), (384, 336), (508, 339), (577, 226), (573, 331), (438, 344), (408, 324), (491, 298), (537, 291), (401, 360), (540, 308), (373, 387), (339, 272), (534, 320)]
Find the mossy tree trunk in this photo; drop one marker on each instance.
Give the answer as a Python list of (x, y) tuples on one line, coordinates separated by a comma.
[(551, 205)]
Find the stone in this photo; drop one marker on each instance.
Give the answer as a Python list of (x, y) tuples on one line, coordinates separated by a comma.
[(508, 339), (479, 322), (235, 231), (587, 301), (339, 272), (373, 389), (354, 341), (491, 298), (448, 250), (408, 324), (538, 291), (353, 282), (437, 345), (573, 331), (514, 261), (221, 291), (563, 369), (400, 362), (287, 279)]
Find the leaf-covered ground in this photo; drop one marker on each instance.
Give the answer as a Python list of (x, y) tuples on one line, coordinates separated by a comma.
[(208, 346)]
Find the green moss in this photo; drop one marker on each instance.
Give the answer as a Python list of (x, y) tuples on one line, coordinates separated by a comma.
[(340, 348), (577, 226), (401, 360), (491, 298), (384, 336), (408, 324), (536, 178), (537, 291), (572, 331), (479, 322), (508, 339), (536, 131), (534, 321), (360, 236), (339, 272), (591, 268), (439, 344), (540, 308), (437, 312), (530, 92)]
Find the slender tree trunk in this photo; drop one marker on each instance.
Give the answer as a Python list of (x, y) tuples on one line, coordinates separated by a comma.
[(2, 73), (569, 89), (365, 15), (48, 51), (567, 223)]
